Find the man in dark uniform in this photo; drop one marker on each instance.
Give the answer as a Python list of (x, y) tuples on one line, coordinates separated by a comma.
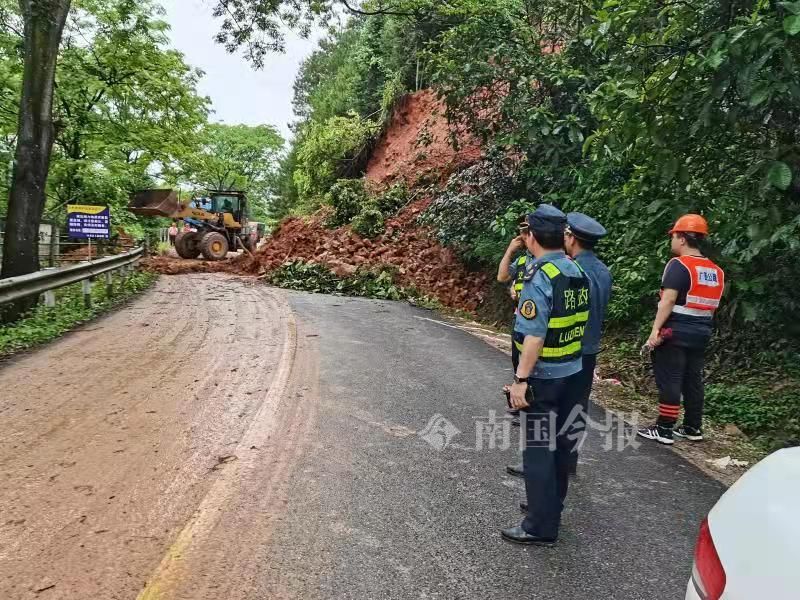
[(553, 312), (580, 239)]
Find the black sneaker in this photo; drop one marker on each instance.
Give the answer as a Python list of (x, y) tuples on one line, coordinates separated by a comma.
[(690, 433), (662, 435)]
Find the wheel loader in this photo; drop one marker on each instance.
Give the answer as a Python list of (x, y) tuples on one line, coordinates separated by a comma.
[(220, 220)]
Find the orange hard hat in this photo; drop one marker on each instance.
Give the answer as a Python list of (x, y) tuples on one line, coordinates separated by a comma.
[(690, 224)]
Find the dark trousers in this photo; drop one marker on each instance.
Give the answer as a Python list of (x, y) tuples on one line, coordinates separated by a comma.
[(549, 441), (679, 372), (580, 386)]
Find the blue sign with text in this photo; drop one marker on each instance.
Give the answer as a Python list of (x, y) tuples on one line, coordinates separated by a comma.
[(87, 221)]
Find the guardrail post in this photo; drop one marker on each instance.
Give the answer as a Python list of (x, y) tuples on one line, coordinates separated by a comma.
[(109, 284), (86, 286), (50, 298)]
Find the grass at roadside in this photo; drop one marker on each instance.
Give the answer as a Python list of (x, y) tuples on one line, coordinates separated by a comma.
[(43, 324)]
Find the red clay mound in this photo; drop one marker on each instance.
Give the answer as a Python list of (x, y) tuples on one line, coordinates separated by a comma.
[(421, 262), (417, 144)]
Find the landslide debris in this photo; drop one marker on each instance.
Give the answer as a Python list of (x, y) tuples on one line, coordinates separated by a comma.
[(410, 250)]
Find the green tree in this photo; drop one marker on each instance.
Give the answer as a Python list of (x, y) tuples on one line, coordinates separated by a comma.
[(127, 107), (43, 24), (125, 110), (329, 150), (238, 157)]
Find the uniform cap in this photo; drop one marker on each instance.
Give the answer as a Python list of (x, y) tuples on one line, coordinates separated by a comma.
[(585, 227), (547, 219)]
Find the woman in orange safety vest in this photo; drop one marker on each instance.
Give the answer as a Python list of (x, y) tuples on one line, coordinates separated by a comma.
[(691, 290)]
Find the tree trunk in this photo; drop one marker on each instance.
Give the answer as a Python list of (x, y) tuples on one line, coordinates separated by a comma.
[(44, 25)]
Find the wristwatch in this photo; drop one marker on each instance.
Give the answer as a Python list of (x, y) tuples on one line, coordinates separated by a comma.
[(520, 379)]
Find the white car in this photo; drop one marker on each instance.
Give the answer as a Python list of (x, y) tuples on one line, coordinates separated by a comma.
[(749, 545)]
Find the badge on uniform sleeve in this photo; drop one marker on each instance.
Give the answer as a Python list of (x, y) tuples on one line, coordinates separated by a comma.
[(528, 309)]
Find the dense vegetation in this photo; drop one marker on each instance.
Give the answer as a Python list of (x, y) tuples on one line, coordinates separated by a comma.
[(127, 115), (634, 112)]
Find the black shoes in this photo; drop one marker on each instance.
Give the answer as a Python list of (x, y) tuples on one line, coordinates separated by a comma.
[(515, 470), (523, 506), (690, 433), (662, 435), (517, 535)]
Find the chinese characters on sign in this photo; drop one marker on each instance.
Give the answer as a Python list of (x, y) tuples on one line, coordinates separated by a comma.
[(86, 221)]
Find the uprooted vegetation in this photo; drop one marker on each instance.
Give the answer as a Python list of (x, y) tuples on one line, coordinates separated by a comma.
[(376, 282)]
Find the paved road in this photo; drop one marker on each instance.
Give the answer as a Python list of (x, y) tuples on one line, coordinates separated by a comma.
[(296, 467)]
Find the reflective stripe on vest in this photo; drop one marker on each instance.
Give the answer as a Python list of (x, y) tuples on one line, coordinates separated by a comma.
[(692, 312), (520, 281), (574, 348), (707, 283)]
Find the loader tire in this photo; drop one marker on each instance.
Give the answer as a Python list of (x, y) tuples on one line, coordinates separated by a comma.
[(187, 244), (214, 246)]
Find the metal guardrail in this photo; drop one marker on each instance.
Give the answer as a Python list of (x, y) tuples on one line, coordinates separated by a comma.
[(14, 288)]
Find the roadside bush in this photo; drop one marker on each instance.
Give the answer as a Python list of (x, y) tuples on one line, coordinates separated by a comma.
[(347, 197), (370, 221), (463, 212), (43, 324), (374, 283), (393, 199), (307, 277), (769, 413), (352, 204)]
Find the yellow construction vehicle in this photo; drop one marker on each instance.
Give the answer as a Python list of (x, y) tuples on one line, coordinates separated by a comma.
[(220, 220)]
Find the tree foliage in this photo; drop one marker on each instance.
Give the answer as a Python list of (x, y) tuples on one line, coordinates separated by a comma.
[(236, 157), (347, 90), (637, 112), (126, 107), (329, 150)]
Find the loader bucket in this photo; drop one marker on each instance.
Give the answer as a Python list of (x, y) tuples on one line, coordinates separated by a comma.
[(154, 203)]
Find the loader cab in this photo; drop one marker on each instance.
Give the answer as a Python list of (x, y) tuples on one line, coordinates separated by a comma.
[(229, 202)]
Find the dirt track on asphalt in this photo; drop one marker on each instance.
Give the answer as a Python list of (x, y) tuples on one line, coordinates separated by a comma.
[(122, 441)]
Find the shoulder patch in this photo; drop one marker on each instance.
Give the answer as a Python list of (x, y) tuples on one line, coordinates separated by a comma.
[(528, 309), (551, 270)]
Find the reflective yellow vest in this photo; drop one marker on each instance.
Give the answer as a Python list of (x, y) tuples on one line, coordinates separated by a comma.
[(568, 317)]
